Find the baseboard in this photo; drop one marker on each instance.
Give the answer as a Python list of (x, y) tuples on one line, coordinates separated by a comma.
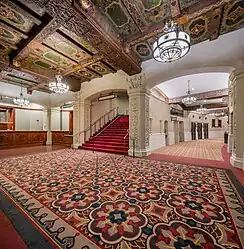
[(139, 153), (236, 162)]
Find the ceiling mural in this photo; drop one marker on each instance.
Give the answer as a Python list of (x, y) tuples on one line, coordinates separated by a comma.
[(84, 40), (65, 47), (100, 68), (118, 15), (156, 10), (233, 16), (14, 18), (187, 3)]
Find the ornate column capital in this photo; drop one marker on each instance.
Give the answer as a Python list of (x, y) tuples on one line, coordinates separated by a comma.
[(237, 73), (136, 84)]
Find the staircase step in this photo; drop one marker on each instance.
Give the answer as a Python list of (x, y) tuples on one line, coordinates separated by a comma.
[(123, 152), (108, 146), (110, 140), (110, 137), (121, 143)]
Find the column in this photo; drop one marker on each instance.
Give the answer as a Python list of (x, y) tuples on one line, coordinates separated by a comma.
[(76, 121), (85, 128), (237, 78), (49, 125), (81, 120), (138, 116), (230, 126)]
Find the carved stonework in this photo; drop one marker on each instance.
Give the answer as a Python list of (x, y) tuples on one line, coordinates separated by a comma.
[(139, 115), (147, 120), (136, 82), (134, 118)]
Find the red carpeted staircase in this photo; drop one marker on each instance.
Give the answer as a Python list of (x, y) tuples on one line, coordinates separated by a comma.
[(113, 138)]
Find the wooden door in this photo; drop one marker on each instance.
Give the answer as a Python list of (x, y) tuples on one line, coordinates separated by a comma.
[(193, 131), (199, 130), (205, 130)]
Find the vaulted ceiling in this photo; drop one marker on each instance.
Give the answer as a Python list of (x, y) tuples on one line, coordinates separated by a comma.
[(86, 39)]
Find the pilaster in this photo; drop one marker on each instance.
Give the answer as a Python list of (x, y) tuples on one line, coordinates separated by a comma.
[(138, 116), (81, 120), (49, 123), (237, 79)]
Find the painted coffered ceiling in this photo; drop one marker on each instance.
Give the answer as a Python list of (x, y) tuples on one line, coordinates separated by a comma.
[(87, 39)]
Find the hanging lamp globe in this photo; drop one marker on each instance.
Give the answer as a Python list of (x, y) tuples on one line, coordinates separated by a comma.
[(173, 45), (21, 101), (189, 99), (59, 86)]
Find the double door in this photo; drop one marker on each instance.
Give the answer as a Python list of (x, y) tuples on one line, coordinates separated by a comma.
[(199, 131)]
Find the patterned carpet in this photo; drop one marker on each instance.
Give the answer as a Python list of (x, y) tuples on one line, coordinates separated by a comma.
[(84, 200), (202, 149)]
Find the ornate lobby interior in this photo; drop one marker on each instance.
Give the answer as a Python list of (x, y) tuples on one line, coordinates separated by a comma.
[(121, 124)]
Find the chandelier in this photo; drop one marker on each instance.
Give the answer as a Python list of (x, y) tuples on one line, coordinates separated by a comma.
[(21, 101), (189, 99), (59, 86), (201, 109), (172, 45)]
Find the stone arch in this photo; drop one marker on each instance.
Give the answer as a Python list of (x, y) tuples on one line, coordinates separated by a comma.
[(160, 78)]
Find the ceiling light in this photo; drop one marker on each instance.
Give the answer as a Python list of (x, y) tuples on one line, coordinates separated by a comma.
[(201, 109), (172, 45), (59, 86), (189, 99), (110, 96), (21, 101)]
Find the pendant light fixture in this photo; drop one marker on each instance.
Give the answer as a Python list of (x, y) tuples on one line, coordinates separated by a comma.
[(172, 45), (59, 85), (189, 99), (21, 101)]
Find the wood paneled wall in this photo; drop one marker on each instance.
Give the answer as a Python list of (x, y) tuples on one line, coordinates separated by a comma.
[(12, 139), (62, 138)]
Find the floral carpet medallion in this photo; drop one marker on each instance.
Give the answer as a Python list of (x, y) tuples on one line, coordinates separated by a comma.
[(84, 200)]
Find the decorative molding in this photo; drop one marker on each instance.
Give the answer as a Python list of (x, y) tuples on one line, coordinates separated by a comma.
[(136, 82), (205, 95)]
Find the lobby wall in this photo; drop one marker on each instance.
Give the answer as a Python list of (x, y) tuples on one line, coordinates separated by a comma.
[(99, 108), (159, 111), (28, 120)]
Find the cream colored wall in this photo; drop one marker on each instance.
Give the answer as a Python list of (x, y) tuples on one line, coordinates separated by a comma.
[(65, 121), (28, 120), (159, 110), (99, 108)]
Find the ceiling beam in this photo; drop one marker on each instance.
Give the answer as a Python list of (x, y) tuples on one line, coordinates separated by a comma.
[(208, 106), (205, 95), (31, 35)]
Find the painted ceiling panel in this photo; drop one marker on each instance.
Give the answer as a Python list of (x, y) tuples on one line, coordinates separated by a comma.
[(79, 39), (14, 18), (233, 17), (87, 74), (51, 56), (118, 15), (100, 68), (156, 10), (9, 35), (62, 45)]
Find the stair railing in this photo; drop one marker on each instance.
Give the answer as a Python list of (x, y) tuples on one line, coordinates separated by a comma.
[(98, 124), (111, 123), (125, 140), (118, 116)]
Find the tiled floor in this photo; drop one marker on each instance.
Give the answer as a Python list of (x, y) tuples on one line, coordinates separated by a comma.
[(200, 149), (29, 150), (193, 155)]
